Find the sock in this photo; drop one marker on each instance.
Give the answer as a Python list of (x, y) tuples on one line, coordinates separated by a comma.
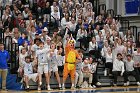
[(63, 85), (40, 83), (27, 86), (59, 85), (72, 85), (89, 84), (48, 86)]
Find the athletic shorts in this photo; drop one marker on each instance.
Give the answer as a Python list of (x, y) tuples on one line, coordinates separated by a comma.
[(33, 76), (53, 67), (43, 68)]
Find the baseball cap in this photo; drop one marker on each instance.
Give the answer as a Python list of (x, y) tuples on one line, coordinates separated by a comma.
[(45, 29)]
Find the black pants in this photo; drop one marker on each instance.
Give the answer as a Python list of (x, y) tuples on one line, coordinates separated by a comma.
[(115, 75), (60, 70), (94, 80), (128, 73), (137, 69), (109, 66)]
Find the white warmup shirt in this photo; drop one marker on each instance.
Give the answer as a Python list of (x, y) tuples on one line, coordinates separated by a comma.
[(119, 49), (118, 65), (28, 68), (22, 59), (129, 65), (47, 46), (109, 58), (78, 66), (93, 46), (86, 67), (60, 60), (52, 60), (35, 48), (42, 56)]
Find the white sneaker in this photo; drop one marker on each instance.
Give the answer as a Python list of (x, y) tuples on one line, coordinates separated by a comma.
[(40, 83), (38, 88), (99, 84), (115, 85), (94, 86), (138, 83), (127, 83), (63, 88), (49, 88), (90, 86), (72, 87)]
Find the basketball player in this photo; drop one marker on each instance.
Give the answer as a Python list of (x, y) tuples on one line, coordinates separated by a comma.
[(28, 72), (41, 56), (52, 60)]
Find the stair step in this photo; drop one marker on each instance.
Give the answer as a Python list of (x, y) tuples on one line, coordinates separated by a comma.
[(105, 84), (100, 69), (105, 77), (100, 73), (118, 84), (105, 80), (101, 66)]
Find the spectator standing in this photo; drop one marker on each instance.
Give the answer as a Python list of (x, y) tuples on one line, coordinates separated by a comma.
[(29, 71), (4, 58), (93, 47), (41, 56), (52, 62), (69, 66), (81, 37), (47, 11), (22, 39), (79, 74), (109, 61), (94, 65)]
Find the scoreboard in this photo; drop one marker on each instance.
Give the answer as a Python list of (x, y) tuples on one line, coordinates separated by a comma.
[(132, 6)]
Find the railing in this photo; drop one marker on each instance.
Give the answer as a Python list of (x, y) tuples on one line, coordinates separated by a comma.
[(111, 12), (1, 35), (134, 30), (13, 50), (138, 38), (96, 7), (124, 25), (102, 7)]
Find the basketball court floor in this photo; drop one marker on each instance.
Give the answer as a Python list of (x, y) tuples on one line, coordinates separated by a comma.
[(130, 89)]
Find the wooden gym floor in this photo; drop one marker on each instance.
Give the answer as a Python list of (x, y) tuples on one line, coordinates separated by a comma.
[(130, 89)]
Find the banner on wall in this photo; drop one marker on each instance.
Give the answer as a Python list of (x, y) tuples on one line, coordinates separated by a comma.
[(132, 6)]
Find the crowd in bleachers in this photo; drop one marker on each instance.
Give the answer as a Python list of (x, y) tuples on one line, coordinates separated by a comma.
[(27, 22)]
